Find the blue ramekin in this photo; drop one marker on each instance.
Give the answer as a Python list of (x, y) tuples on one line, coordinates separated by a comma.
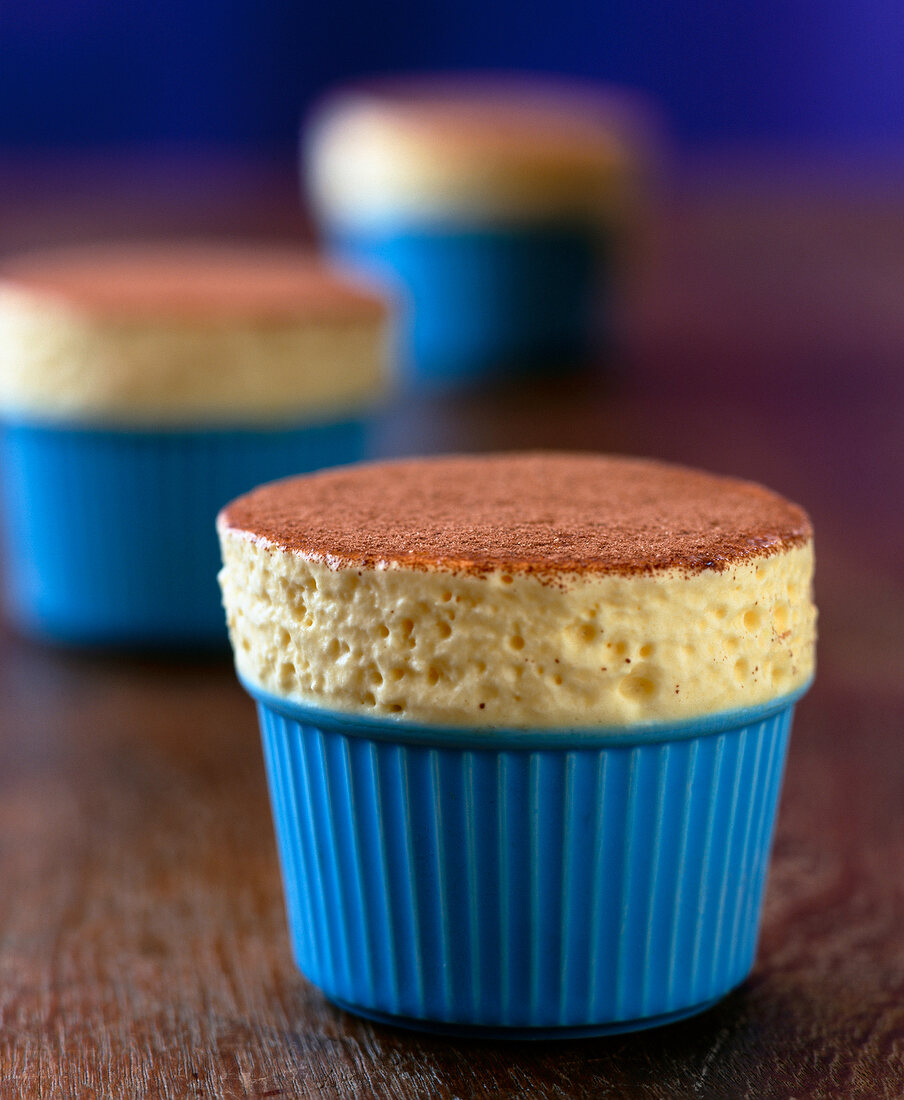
[(109, 533), (524, 883), (486, 301)]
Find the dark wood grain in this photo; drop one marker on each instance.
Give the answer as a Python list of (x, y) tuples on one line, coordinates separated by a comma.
[(143, 951)]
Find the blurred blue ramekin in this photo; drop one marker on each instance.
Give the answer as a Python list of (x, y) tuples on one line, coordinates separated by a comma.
[(501, 210), (109, 532)]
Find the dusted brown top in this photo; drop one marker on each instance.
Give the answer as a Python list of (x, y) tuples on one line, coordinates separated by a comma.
[(191, 281), (500, 117), (544, 513)]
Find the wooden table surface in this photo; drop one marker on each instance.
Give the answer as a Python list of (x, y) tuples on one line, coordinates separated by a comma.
[(143, 950)]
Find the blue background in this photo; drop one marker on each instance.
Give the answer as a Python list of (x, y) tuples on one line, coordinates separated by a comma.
[(93, 73)]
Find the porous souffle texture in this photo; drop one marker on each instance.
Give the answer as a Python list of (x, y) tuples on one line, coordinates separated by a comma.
[(560, 638)]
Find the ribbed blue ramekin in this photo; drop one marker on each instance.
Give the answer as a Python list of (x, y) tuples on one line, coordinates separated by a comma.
[(524, 883), (486, 301), (109, 533)]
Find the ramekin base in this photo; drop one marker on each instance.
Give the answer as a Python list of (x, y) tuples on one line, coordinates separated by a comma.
[(109, 535), (485, 302), (546, 883), (530, 1034)]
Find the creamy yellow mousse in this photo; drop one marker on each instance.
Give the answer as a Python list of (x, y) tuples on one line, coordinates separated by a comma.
[(186, 334), (526, 590), (472, 148)]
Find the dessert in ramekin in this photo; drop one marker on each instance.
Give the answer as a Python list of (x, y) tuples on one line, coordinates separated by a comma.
[(524, 719), (499, 210), (141, 387)]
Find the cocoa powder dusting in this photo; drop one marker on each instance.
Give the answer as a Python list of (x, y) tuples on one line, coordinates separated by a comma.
[(544, 513), (192, 281)]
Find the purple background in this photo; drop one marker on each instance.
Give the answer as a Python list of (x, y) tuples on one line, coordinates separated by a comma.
[(95, 73)]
